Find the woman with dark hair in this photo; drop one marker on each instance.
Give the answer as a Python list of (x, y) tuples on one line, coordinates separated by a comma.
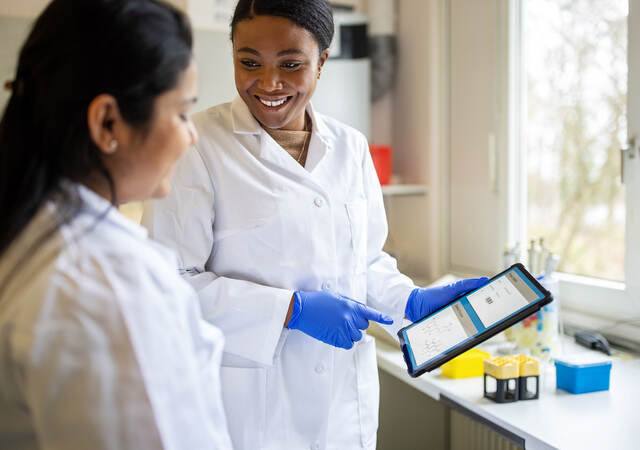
[(102, 345), (278, 221)]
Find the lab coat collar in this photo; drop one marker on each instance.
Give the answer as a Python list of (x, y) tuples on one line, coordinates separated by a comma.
[(318, 125), (243, 120), (98, 205), (245, 123)]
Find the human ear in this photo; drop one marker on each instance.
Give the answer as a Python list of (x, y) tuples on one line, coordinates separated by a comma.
[(323, 58), (103, 116)]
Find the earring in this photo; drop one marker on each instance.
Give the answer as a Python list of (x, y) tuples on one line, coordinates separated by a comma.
[(319, 73), (113, 145)]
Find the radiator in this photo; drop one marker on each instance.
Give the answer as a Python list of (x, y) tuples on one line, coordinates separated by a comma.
[(469, 434)]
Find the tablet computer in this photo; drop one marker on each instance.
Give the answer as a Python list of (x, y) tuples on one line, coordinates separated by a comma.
[(471, 319)]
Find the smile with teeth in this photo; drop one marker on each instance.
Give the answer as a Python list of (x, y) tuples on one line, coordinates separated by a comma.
[(273, 103)]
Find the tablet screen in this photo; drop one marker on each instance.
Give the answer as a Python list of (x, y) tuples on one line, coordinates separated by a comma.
[(469, 316)]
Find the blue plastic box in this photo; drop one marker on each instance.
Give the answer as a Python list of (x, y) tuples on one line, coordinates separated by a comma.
[(582, 374)]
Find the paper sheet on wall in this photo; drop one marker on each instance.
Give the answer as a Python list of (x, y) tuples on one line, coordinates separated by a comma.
[(211, 14)]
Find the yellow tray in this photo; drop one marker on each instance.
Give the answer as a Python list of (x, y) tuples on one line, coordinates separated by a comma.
[(511, 366), (466, 365), (527, 366), (502, 367)]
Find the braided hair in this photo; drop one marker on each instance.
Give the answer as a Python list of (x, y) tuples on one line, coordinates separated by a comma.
[(315, 16)]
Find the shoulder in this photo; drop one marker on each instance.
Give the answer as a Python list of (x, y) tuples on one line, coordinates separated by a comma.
[(87, 280), (215, 127), (213, 118), (342, 135), (339, 130), (115, 269)]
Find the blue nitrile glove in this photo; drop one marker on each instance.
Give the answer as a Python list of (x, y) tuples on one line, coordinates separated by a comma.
[(424, 301), (332, 318)]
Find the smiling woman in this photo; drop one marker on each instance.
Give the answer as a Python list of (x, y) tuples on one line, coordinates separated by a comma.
[(277, 78), (278, 220)]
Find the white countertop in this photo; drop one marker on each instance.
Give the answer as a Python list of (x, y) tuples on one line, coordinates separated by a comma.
[(598, 420)]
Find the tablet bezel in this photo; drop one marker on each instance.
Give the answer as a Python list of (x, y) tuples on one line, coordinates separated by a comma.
[(489, 332)]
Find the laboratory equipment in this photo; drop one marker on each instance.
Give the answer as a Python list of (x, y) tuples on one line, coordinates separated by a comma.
[(534, 257), (550, 264), (504, 372), (583, 373), (511, 255), (593, 340), (467, 365), (539, 334), (344, 90), (512, 375), (382, 161)]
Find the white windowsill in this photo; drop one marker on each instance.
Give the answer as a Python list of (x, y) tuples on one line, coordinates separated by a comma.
[(404, 189)]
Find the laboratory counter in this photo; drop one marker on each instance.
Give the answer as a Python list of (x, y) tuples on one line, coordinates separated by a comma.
[(557, 420)]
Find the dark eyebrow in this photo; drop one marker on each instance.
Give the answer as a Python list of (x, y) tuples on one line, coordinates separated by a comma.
[(291, 51), (191, 100), (249, 50)]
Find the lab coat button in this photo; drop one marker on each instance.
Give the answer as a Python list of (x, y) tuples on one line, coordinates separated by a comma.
[(318, 202), (319, 368), (326, 286), (315, 446)]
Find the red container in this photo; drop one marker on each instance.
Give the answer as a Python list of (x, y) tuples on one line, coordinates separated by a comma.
[(382, 161)]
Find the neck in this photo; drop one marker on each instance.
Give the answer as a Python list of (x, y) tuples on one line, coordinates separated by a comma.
[(301, 123), (100, 186)]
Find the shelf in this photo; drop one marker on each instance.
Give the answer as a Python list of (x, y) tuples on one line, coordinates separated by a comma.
[(404, 189)]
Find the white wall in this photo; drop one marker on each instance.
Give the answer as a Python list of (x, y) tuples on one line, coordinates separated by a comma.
[(22, 8), (419, 116), (359, 5), (447, 104)]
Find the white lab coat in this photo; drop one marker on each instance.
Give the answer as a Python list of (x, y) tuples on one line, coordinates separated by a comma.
[(102, 344), (251, 225)]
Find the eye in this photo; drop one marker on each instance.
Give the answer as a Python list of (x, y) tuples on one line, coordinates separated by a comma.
[(291, 65), (249, 63), (184, 117)]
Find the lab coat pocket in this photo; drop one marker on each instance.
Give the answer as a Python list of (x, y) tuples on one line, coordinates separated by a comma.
[(244, 398), (368, 390), (357, 212)]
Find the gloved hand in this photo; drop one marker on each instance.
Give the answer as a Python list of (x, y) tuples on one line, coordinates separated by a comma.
[(424, 301), (332, 318)]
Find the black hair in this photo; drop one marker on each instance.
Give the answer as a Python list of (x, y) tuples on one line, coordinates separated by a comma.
[(315, 16), (133, 50)]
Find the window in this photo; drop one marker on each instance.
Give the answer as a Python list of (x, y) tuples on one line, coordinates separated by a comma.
[(577, 110), (542, 96), (575, 61)]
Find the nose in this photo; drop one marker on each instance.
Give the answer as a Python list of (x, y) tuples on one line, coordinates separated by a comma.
[(270, 80)]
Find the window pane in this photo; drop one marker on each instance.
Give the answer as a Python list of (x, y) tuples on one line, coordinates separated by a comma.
[(575, 125)]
